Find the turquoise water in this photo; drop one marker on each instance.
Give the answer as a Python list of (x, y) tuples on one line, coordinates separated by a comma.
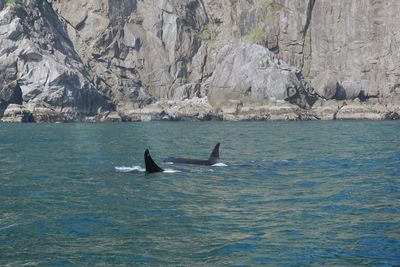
[(292, 194)]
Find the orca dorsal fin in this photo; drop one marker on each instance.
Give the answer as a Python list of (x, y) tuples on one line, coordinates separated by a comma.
[(151, 166), (215, 153)]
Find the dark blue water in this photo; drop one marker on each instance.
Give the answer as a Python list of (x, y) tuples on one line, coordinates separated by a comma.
[(292, 193)]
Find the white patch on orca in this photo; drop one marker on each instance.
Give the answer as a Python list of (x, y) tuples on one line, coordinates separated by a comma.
[(130, 169), (220, 164), (170, 171)]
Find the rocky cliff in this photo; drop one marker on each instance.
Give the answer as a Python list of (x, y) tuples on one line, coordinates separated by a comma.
[(199, 59)]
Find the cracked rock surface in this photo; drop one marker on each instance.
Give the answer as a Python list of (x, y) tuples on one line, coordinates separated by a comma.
[(200, 59)]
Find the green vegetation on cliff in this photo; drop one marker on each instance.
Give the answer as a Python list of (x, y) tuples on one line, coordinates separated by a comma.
[(209, 33), (255, 35)]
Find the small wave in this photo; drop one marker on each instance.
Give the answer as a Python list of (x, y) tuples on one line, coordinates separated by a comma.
[(170, 171), (281, 161), (278, 160), (168, 163), (130, 169), (219, 165), (8, 226)]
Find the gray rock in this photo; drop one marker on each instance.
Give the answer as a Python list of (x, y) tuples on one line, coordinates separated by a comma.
[(363, 57), (99, 56), (17, 113), (326, 109), (188, 109), (187, 91), (10, 94), (49, 114), (357, 110), (392, 116), (276, 112), (250, 74), (151, 41), (325, 85), (44, 64), (353, 89)]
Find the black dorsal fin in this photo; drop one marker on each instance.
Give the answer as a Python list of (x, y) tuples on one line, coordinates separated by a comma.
[(151, 166), (215, 153)]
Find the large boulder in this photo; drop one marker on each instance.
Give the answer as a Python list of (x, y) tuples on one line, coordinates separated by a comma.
[(10, 94), (325, 85), (326, 109), (17, 113), (252, 75), (350, 89)]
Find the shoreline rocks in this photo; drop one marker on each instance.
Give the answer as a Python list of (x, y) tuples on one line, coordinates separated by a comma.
[(17, 113), (199, 109)]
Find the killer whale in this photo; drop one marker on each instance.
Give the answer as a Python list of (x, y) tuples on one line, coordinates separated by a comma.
[(212, 159), (151, 166)]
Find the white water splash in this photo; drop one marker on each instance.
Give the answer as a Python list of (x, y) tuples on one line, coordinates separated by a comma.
[(130, 169), (220, 164), (170, 171), (168, 163)]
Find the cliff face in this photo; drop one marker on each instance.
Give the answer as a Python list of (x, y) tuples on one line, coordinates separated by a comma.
[(171, 59)]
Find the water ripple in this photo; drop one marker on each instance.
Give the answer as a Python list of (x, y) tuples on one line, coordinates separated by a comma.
[(293, 194)]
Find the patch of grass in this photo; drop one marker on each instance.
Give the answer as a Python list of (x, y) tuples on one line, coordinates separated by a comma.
[(208, 33), (269, 7), (264, 4), (255, 35)]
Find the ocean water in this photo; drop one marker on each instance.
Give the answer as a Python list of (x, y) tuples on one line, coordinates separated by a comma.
[(291, 194)]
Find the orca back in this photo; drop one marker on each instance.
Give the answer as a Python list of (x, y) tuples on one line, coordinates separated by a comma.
[(212, 159), (151, 166)]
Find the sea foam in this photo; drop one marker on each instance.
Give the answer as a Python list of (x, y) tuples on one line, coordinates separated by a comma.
[(130, 169), (220, 164), (170, 171)]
